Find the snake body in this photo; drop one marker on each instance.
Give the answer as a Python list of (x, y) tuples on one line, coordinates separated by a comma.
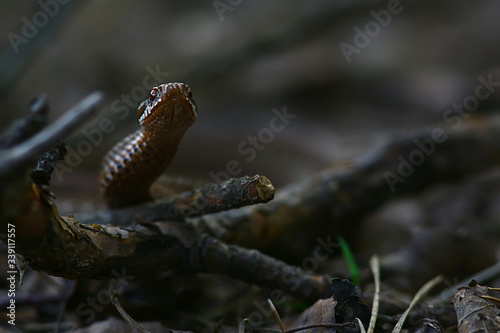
[(131, 166)]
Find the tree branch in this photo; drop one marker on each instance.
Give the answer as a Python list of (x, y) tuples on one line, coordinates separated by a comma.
[(27, 126), (61, 246), (212, 198), (332, 201), (16, 157)]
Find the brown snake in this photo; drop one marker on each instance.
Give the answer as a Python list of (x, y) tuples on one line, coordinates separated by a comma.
[(130, 167)]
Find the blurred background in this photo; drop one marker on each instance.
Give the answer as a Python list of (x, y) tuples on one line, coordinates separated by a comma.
[(242, 60), (354, 74)]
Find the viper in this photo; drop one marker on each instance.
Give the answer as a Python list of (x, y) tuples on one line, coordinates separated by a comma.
[(129, 169)]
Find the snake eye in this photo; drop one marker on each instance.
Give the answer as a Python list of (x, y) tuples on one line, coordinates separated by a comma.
[(189, 92), (153, 95)]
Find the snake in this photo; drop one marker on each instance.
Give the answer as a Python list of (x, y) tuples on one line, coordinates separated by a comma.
[(129, 169)]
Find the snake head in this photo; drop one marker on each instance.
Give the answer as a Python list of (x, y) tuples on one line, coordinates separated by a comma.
[(169, 104)]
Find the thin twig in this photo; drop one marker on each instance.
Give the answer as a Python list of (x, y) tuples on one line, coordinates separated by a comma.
[(481, 277), (276, 315), (361, 327), (23, 128), (332, 325), (375, 267), (14, 158), (70, 289), (124, 314), (421, 293)]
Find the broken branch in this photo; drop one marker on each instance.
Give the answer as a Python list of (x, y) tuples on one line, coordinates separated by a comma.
[(211, 198)]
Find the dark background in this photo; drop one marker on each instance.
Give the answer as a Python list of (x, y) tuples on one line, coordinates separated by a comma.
[(258, 56), (251, 58)]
